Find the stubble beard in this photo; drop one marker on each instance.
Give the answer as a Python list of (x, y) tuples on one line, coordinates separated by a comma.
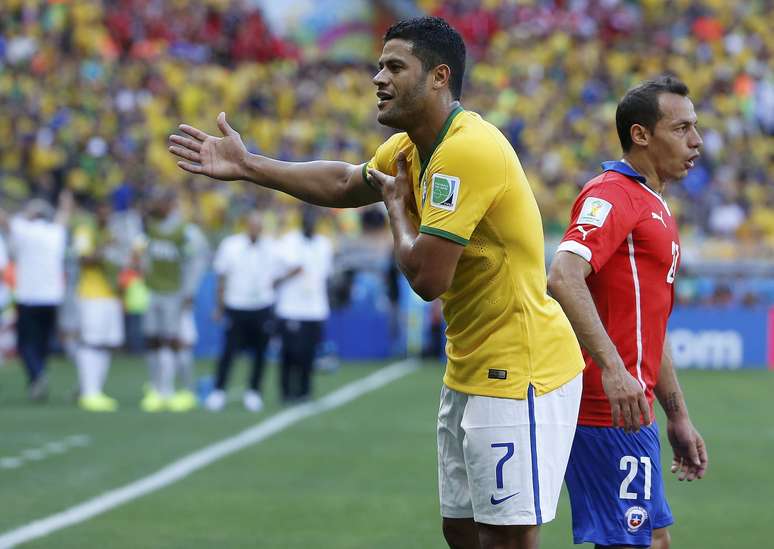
[(405, 112)]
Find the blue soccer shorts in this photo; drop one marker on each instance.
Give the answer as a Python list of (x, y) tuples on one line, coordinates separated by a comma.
[(616, 487)]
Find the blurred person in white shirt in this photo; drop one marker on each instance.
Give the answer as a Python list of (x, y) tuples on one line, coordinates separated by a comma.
[(726, 217), (302, 303), (246, 267), (38, 239)]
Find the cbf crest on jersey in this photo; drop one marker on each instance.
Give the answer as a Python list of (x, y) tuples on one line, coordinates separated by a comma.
[(444, 190), (594, 211), (635, 518)]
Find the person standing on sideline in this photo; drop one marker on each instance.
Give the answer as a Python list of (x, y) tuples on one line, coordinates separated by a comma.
[(100, 314), (170, 277), (614, 276), (466, 228), (38, 240), (302, 304), (197, 255), (245, 264), (5, 291)]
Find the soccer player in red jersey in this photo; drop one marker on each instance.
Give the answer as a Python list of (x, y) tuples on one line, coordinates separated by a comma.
[(614, 276)]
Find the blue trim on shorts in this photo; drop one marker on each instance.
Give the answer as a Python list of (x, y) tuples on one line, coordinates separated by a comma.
[(533, 452)]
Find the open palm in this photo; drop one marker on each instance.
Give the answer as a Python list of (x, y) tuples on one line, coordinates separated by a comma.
[(201, 153)]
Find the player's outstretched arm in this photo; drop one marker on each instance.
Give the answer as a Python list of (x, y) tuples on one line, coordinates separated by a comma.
[(689, 452), (64, 208), (428, 261), (567, 283), (325, 183)]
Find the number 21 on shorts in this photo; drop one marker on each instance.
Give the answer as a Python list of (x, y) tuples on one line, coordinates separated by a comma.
[(632, 464)]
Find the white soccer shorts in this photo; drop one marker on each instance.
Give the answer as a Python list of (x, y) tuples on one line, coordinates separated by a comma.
[(502, 461), (164, 317), (101, 322)]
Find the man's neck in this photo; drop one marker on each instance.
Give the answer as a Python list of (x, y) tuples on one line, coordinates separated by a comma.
[(643, 166), (425, 134)]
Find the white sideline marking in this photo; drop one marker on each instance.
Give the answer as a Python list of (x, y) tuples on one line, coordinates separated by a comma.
[(38, 454), (33, 454), (10, 463), (201, 458)]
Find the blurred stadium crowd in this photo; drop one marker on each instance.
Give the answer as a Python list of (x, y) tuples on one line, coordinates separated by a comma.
[(90, 91)]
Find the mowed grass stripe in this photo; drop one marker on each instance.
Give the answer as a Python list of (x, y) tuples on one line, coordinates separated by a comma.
[(193, 462)]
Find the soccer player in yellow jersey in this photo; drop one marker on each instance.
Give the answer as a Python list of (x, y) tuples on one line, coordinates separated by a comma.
[(466, 229), (100, 316)]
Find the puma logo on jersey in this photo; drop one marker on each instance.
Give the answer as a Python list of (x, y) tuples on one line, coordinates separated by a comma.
[(584, 232), (660, 217)]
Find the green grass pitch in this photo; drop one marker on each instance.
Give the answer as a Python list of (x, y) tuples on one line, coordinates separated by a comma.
[(359, 476)]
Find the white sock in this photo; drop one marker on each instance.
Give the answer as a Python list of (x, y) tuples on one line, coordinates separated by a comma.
[(88, 370), (104, 365), (70, 347), (152, 358), (166, 371), (185, 372)]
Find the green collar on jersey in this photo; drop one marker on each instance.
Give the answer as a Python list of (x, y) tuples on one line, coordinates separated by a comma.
[(446, 125)]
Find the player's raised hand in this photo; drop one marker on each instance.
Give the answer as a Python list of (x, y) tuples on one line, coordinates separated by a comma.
[(627, 399), (65, 207), (689, 453), (397, 188), (201, 153)]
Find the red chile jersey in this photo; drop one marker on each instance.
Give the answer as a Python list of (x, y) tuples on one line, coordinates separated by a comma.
[(626, 232)]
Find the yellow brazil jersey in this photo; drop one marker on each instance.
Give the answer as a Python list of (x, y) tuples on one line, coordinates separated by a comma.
[(503, 330), (93, 282)]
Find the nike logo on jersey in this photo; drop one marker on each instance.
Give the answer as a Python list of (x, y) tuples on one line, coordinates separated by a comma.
[(655, 215), (584, 232), (495, 501)]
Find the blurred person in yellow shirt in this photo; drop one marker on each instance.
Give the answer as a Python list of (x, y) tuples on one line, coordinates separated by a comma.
[(100, 314)]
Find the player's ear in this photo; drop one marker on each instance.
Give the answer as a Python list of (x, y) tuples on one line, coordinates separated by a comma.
[(441, 75), (640, 135)]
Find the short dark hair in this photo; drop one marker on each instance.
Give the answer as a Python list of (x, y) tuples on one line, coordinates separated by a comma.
[(640, 106), (435, 43)]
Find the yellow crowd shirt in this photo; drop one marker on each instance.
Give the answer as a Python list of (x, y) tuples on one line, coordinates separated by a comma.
[(93, 282), (504, 332)]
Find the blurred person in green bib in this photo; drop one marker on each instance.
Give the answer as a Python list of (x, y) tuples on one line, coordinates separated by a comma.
[(172, 265)]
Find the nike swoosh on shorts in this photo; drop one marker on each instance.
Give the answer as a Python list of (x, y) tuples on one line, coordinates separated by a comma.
[(494, 501)]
